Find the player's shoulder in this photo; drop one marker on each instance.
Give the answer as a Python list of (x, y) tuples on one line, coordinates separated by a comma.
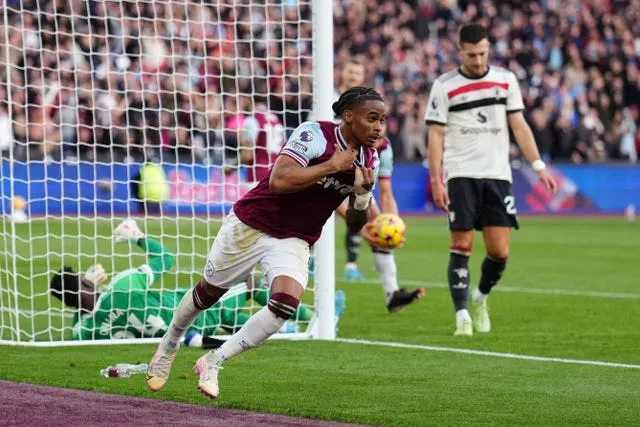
[(446, 77), (308, 131), (501, 72), (312, 134), (385, 151), (386, 145)]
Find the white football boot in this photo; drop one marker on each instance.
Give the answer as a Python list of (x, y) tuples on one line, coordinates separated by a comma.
[(464, 326), (208, 372), (481, 320), (160, 367)]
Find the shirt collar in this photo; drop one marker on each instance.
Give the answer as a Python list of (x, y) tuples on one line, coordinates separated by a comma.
[(342, 142)]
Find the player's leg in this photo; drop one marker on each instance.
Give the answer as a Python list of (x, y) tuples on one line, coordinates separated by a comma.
[(285, 268), (229, 316), (458, 278), (395, 297), (221, 273), (464, 194), (261, 294), (352, 246), (197, 299), (498, 216), (496, 241)]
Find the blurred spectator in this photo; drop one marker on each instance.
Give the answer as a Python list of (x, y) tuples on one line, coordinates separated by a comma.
[(572, 57), (164, 79)]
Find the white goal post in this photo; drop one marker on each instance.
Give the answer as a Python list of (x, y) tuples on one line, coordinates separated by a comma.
[(138, 108)]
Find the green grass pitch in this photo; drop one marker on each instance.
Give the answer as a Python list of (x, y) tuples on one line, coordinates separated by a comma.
[(570, 292)]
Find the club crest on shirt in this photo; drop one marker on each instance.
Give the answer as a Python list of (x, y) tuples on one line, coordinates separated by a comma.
[(306, 136), (209, 269)]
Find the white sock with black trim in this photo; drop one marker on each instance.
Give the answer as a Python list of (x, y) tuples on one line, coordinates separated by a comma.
[(258, 328)]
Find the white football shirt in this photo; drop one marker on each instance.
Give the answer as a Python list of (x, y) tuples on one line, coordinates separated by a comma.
[(474, 112)]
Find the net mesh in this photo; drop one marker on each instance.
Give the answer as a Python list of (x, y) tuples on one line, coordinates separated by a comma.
[(144, 109)]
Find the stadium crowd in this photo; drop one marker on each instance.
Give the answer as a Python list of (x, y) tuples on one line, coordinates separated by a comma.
[(103, 80)]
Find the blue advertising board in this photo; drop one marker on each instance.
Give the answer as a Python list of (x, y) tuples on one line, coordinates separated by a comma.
[(92, 189)]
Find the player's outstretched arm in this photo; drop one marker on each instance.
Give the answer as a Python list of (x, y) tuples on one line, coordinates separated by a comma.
[(289, 176), (527, 143), (159, 258), (436, 149)]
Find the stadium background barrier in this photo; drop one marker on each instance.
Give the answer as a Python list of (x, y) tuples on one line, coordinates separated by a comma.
[(96, 189)]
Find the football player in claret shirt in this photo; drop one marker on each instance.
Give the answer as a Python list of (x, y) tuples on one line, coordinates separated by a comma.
[(273, 226)]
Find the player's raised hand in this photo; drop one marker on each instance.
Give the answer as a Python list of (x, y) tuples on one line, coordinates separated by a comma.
[(440, 195), (548, 181), (364, 180), (342, 160)]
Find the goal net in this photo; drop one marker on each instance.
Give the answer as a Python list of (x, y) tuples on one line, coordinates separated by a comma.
[(165, 111)]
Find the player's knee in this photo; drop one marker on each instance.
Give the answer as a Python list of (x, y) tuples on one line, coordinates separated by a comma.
[(499, 254), (283, 305), (462, 242), (383, 251), (205, 294)]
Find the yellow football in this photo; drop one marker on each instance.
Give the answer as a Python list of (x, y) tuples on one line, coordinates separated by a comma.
[(19, 203), (389, 230)]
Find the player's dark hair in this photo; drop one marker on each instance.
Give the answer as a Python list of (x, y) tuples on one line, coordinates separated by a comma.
[(65, 285), (473, 33), (353, 97)]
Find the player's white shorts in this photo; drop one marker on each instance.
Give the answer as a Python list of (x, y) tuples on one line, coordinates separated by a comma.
[(238, 248)]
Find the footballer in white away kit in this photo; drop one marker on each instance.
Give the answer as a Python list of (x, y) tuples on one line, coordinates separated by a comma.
[(273, 225), (469, 114)]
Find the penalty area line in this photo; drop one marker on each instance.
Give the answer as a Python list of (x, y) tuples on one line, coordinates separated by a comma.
[(489, 353)]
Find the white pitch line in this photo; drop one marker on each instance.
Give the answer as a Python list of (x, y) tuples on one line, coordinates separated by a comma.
[(33, 313), (552, 291), (489, 353)]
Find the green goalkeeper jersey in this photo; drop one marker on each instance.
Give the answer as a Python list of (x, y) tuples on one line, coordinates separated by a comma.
[(129, 309)]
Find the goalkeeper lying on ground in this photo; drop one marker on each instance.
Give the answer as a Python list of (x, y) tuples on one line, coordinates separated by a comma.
[(127, 308)]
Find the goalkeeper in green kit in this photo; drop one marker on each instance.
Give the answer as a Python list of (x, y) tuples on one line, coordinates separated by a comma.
[(127, 308)]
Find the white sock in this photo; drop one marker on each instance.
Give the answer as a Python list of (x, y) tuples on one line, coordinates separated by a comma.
[(462, 315), (387, 271), (183, 317), (479, 297), (258, 328), (351, 266)]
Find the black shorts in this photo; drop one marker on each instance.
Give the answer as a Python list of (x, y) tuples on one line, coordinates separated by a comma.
[(478, 203)]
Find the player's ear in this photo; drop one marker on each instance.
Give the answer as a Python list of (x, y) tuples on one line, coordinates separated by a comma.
[(347, 116)]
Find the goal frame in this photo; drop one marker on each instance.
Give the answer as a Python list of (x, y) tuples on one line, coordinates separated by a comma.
[(323, 86)]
